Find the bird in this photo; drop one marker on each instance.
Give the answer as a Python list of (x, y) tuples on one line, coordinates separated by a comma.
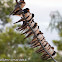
[(39, 36), (23, 25), (46, 46), (29, 30), (49, 56), (18, 7), (37, 43), (33, 26), (51, 51), (29, 19), (31, 33), (35, 39), (23, 11)]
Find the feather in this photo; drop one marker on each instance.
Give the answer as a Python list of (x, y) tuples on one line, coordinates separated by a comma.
[(28, 35)]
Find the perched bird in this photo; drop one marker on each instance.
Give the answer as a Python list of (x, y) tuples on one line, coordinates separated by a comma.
[(37, 43), (29, 19), (29, 30), (46, 46), (33, 25), (51, 51), (31, 33), (39, 36), (48, 57), (29, 15), (25, 11), (18, 7), (25, 27)]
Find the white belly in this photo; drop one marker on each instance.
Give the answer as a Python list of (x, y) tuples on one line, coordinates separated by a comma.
[(40, 36), (46, 47), (51, 51), (29, 17), (35, 28), (27, 14), (32, 24), (37, 31), (44, 43)]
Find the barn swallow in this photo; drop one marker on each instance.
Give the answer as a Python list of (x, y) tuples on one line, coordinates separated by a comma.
[(38, 44), (28, 31), (46, 46), (32, 24), (31, 33), (35, 39), (51, 51), (32, 27), (25, 11), (48, 57), (20, 12), (36, 29), (39, 35), (18, 6), (23, 25), (28, 19)]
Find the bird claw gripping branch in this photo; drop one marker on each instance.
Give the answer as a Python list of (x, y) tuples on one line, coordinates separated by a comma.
[(19, 11)]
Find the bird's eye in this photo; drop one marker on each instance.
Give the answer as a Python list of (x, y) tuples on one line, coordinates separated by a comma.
[(31, 22)]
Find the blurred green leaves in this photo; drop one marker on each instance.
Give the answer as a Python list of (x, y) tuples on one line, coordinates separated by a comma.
[(5, 8), (56, 23)]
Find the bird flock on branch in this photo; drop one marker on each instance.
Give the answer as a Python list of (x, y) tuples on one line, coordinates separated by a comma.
[(29, 17)]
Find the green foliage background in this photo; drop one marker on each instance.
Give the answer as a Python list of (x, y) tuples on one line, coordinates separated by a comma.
[(56, 23)]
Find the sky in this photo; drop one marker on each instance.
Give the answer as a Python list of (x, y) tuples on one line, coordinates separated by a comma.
[(45, 3), (42, 10)]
